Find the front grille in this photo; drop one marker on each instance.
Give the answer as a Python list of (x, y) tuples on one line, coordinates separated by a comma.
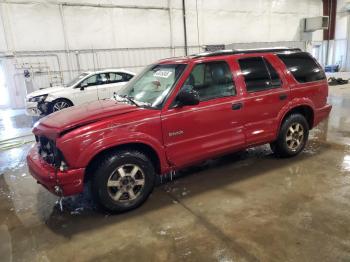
[(48, 151)]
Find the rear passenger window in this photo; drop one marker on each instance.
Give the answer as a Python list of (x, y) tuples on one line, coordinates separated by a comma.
[(303, 67), (126, 77), (258, 74), (115, 78), (212, 80)]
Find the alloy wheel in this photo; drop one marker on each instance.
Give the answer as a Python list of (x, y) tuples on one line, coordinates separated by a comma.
[(295, 136), (126, 183), (60, 105)]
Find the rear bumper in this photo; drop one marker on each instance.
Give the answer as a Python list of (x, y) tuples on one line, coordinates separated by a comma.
[(65, 183), (321, 114)]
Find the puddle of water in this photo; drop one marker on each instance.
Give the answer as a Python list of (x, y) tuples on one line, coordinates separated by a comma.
[(14, 123), (14, 159), (346, 163)]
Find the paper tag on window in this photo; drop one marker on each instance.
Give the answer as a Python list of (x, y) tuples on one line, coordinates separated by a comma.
[(163, 74)]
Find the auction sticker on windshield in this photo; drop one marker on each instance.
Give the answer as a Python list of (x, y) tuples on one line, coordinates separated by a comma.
[(163, 74)]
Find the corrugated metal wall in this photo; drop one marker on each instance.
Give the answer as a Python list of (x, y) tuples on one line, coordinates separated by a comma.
[(57, 39)]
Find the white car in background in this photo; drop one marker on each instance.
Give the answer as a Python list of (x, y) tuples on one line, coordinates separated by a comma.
[(87, 87)]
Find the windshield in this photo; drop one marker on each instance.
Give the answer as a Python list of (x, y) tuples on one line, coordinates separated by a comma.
[(76, 79), (153, 84)]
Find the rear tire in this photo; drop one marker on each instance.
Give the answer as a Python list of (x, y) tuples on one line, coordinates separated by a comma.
[(123, 181), (292, 138)]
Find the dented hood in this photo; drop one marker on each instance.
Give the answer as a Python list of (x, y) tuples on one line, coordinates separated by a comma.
[(76, 116)]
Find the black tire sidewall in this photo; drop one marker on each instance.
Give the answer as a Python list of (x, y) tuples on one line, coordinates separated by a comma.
[(109, 165), (281, 143)]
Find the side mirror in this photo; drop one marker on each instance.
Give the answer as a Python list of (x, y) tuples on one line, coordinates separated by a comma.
[(187, 96), (82, 86)]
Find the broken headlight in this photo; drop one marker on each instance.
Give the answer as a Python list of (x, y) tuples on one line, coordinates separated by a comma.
[(37, 98)]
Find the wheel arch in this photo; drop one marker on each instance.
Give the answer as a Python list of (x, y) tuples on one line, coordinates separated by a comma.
[(306, 110), (62, 98), (51, 103), (139, 146)]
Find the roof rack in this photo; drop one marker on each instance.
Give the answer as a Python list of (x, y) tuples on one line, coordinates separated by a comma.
[(247, 51)]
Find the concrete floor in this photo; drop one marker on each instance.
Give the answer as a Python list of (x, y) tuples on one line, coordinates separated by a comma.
[(242, 207)]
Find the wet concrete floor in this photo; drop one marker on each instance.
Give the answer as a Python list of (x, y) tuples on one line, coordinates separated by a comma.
[(247, 206)]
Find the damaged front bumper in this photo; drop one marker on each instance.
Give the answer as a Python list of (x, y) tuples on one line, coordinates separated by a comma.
[(61, 183), (37, 108), (32, 109)]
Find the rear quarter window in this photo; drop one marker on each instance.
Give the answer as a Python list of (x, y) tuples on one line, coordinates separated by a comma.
[(303, 67)]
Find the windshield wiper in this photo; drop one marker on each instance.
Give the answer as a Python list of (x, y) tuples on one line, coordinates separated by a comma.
[(127, 98), (132, 101)]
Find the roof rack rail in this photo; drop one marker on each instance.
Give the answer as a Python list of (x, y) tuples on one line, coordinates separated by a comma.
[(247, 51)]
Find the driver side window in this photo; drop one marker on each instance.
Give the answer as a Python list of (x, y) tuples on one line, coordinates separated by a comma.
[(91, 81), (98, 79), (211, 80)]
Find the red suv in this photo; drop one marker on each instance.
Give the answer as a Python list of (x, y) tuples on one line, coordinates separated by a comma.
[(176, 113)]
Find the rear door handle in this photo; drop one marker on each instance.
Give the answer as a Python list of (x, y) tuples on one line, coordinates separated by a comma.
[(283, 96), (237, 106)]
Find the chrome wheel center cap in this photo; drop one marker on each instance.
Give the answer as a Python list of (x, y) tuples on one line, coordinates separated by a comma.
[(127, 181)]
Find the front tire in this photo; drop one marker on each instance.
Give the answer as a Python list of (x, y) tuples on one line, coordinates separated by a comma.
[(123, 181), (60, 104), (292, 137)]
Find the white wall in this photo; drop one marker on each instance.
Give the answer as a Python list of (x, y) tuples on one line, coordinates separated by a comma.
[(154, 26), (341, 48), (38, 26)]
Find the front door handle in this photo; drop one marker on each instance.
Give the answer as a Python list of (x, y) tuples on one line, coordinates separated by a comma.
[(283, 96), (237, 106)]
